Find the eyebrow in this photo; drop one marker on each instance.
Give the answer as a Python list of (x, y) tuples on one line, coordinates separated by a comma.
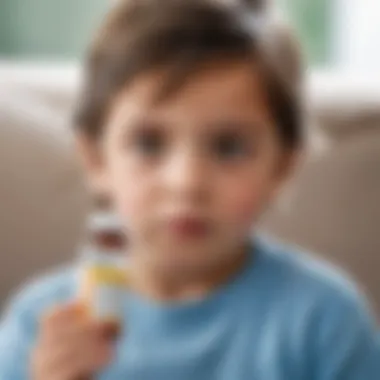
[(231, 124)]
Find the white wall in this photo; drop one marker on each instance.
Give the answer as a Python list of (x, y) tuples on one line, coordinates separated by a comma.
[(357, 34)]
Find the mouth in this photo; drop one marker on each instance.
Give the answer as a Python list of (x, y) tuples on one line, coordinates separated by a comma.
[(188, 227)]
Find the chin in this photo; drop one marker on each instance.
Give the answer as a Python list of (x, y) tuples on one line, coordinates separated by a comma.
[(187, 260)]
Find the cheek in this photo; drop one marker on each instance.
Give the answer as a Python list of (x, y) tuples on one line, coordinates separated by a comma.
[(128, 186), (128, 200), (133, 198), (242, 206), (244, 201)]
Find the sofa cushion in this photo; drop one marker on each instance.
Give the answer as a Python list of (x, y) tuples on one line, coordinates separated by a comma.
[(43, 199), (335, 209)]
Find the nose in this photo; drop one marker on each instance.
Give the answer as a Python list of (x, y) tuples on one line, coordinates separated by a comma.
[(185, 176)]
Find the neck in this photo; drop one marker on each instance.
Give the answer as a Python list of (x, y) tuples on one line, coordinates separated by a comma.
[(171, 284)]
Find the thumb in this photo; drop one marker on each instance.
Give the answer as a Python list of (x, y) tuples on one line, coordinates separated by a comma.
[(109, 330)]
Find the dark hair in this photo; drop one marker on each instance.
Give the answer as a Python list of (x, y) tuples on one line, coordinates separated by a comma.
[(142, 35)]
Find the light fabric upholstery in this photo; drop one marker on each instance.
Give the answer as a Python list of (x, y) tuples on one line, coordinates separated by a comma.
[(335, 209), (43, 201)]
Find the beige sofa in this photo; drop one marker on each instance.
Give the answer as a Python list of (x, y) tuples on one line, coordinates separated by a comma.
[(333, 206)]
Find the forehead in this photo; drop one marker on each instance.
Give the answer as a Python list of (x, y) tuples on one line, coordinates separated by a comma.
[(233, 89)]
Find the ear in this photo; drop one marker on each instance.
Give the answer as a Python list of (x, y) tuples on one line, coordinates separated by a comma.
[(289, 163), (286, 169), (91, 158)]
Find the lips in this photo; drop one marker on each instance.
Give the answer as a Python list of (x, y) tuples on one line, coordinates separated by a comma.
[(189, 227)]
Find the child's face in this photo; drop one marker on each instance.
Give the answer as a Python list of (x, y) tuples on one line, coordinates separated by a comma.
[(191, 174)]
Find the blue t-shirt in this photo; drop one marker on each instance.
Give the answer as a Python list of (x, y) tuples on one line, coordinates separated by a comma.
[(283, 317)]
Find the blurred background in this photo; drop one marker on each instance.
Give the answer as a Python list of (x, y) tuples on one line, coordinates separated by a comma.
[(338, 33), (333, 206)]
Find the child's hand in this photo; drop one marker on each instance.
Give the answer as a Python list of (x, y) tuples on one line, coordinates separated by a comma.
[(70, 347)]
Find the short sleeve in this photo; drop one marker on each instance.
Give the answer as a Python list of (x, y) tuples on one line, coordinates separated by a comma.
[(19, 324), (16, 336), (348, 341)]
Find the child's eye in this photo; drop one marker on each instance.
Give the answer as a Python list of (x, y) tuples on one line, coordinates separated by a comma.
[(229, 146), (149, 143)]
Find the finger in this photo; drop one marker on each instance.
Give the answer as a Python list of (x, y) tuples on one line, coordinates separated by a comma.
[(61, 318), (82, 330), (61, 313), (75, 337), (81, 357), (109, 330), (70, 334)]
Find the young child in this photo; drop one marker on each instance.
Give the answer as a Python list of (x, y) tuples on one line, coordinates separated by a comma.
[(191, 122)]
